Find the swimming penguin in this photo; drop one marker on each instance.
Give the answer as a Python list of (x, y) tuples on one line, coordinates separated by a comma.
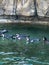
[(16, 36), (3, 31), (45, 40), (22, 36), (7, 36), (34, 40), (27, 39)]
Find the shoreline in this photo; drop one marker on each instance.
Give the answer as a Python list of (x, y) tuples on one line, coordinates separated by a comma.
[(24, 21)]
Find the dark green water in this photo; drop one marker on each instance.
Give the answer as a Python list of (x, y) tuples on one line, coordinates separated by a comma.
[(17, 52)]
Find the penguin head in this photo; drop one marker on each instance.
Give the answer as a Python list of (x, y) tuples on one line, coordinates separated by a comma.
[(44, 39)]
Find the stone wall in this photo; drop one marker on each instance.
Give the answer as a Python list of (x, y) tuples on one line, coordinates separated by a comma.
[(43, 7), (24, 7)]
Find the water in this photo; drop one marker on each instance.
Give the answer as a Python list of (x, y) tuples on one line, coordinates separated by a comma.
[(17, 52)]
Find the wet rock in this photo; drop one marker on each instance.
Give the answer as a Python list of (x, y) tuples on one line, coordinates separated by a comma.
[(25, 7), (42, 7)]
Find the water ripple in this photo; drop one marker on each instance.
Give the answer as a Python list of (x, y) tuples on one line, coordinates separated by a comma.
[(39, 62), (23, 60), (8, 53)]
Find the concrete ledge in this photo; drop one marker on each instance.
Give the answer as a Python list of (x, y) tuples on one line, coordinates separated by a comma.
[(22, 23)]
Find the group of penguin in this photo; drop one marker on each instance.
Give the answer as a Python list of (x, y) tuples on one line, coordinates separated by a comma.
[(20, 36)]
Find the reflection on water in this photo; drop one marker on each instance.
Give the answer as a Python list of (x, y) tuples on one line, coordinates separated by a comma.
[(17, 52)]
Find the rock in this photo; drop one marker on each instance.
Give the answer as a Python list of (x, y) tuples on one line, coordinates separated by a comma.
[(9, 7), (42, 7), (1, 8), (1, 11), (0, 1), (25, 7)]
